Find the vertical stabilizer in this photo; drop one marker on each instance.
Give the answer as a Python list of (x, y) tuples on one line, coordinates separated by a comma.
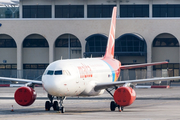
[(111, 39)]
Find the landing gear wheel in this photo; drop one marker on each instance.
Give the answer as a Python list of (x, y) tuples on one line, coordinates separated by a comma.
[(62, 110), (113, 106), (55, 106), (61, 107), (47, 106)]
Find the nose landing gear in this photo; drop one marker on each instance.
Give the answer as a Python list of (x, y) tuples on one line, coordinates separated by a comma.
[(61, 107), (57, 107)]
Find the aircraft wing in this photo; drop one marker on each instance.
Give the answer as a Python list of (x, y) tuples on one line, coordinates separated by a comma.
[(141, 65), (100, 86), (21, 80)]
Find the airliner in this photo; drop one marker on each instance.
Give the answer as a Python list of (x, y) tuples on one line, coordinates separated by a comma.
[(9, 2), (85, 77)]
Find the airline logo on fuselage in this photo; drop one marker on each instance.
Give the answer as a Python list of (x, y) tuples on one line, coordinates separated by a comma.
[(85, 71)]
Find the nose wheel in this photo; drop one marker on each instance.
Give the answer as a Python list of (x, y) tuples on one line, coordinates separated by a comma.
[(62, 110), (61, 107), (56, 107)]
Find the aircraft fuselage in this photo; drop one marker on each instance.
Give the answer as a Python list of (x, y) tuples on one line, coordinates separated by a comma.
[(79, 76)]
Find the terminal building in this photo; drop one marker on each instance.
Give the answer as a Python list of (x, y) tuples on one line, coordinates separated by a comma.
[(48, 30)]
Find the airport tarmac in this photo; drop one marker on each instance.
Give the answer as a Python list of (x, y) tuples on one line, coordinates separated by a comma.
[(150, 104)]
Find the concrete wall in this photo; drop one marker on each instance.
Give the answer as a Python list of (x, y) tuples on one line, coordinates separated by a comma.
[(164, 53), (8, 54), (76, 2), (63, 52), (76, 53), (35, 55)]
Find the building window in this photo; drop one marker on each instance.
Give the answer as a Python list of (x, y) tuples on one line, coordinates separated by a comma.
[(96, 45), (6, 12), (133, 74), (99, 11), (37, 11), (8, 66), (62, 41), (166, 10), (7, 43), (130, 44), (35, 43), (35, 66), (165, 42), (170, 69), (134, 10), (69, 11)]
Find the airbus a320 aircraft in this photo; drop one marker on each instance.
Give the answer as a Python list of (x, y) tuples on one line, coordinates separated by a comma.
[(85, 77)]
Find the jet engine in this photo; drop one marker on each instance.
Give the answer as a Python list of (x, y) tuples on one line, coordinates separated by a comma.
[(124, 96), (25, 96)]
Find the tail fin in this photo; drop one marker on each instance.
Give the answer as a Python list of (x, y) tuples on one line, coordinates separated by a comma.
[(111, 39)]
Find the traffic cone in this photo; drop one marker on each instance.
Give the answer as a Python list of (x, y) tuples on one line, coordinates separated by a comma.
[(12, 109), (120, 110)]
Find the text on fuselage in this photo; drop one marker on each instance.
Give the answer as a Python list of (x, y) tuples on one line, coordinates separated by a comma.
[(85, 71)]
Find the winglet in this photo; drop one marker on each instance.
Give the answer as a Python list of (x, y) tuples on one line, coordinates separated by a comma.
[(111, 39)]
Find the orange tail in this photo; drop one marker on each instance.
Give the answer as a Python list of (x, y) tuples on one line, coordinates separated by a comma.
[(111, 39)]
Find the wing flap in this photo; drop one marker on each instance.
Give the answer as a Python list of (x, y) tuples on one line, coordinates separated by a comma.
[(100, 86), (141, 65), (21, 80)]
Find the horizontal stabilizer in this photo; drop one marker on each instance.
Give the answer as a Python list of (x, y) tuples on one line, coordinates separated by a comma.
[(141, 65), (101, 86)]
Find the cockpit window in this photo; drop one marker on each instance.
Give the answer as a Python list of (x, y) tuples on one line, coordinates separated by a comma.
[(58, 72), (66, 72), (50, 72)]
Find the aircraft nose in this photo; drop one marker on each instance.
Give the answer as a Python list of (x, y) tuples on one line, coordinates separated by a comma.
[(53, 85)]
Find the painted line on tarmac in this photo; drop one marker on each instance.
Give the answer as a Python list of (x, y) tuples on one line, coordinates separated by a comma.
[(103, 98)]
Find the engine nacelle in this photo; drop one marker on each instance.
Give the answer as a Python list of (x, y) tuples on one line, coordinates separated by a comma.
[(124, 96), (25, 96)]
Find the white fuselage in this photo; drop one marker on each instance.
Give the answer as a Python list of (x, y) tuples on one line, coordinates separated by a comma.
[(76, 77)]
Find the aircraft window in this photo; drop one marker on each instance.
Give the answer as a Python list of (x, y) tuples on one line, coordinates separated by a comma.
[(45, 72), (66, 72), (50, 72), (59, 72)]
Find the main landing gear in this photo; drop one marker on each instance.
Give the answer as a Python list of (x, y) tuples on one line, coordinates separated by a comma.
[(113, 105), (57, 107)]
